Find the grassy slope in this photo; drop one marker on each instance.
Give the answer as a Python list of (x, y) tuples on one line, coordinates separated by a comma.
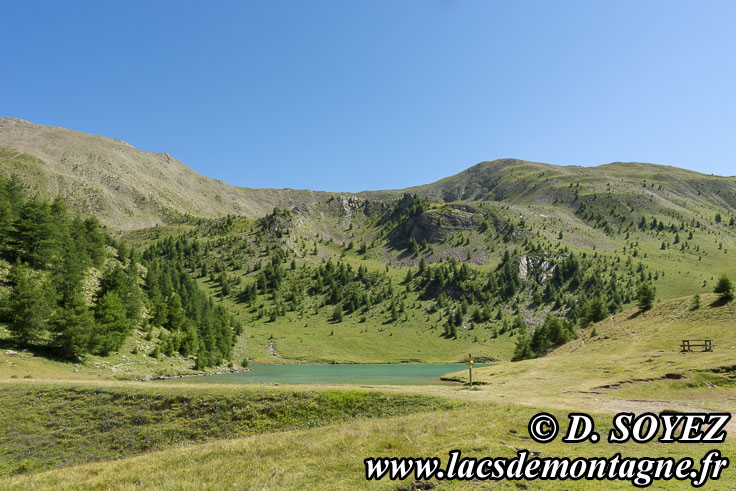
[(632, 355), (126, 187), (65, 425), (546, 197), (132, 361), (313, 337), (622, 368), (332, 457), (629, 356), (540, 201)]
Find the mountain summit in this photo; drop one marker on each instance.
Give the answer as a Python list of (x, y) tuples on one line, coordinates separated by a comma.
[(130, 188), (125, 187)]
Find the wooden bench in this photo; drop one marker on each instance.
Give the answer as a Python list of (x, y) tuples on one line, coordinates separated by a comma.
[(688, 344)]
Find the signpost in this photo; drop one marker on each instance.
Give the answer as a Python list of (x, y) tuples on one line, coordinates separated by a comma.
[(469, 363)]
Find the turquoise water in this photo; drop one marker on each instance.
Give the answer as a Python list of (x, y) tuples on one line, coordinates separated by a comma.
[(396, 374)]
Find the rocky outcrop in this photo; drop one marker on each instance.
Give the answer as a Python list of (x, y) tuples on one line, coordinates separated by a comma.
[(432, 226), (279, 224), (349, 204), (536, 267), (374, 207)]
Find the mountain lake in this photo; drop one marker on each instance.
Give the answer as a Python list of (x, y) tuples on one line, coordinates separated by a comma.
[(364, 374)]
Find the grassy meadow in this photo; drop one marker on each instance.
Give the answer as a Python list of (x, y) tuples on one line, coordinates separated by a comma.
[(331, 457), (115, 434)]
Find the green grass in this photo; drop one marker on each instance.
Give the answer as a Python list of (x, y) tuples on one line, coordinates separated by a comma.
[(310, 437), (540, 201), (132, 361), (109, 433), (315, 338), (634, 356), (312, 337), (331, 457), (52, 426)]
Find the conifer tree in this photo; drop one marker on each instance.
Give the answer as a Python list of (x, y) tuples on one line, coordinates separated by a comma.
[(595, 310), (523, 349), (29, 304), (69, 272), (32, 237), (724, 288), (124, 284), (176, 317), (645, 295), (113, 325), (74, 327)]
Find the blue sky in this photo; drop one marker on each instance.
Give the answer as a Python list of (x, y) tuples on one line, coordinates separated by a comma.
[(345, 95)]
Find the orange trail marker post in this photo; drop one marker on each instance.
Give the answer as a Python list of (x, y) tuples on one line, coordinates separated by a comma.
[(469, 363)]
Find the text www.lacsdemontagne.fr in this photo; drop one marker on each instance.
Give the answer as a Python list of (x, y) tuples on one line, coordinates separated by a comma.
[(641, 472)]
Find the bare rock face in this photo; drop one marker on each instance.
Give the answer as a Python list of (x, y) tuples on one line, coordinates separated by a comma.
[(407, 201), (536, 267), (349, 204), (280, 224), (373, 207)]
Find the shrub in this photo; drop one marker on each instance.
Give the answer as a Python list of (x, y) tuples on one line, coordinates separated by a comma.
[(645, 295), (724, 288), (696, 303)]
